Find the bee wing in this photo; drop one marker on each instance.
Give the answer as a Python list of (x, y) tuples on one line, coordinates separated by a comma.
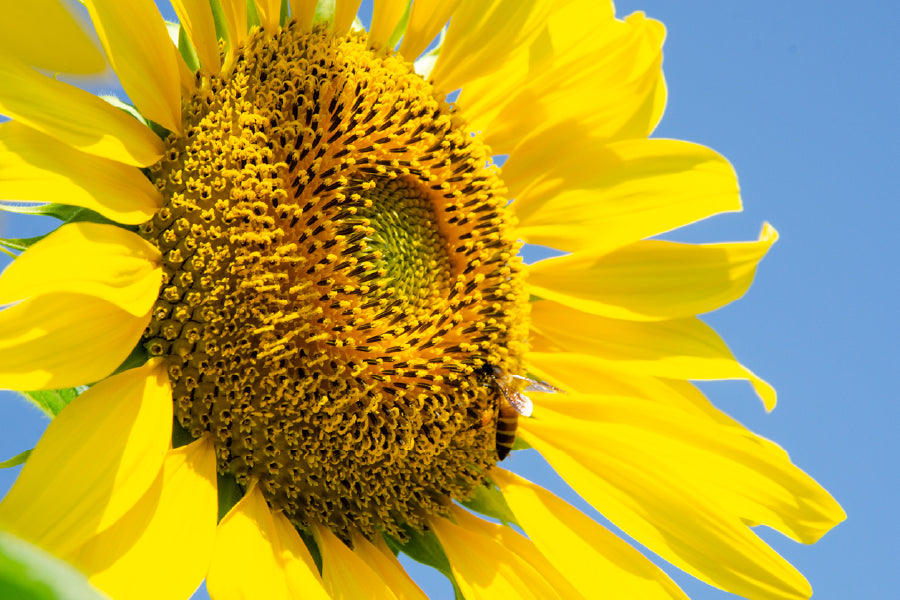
[(520, 402), (538, 386)]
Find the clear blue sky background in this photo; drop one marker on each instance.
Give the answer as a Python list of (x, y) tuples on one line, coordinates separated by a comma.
[(802, 97)]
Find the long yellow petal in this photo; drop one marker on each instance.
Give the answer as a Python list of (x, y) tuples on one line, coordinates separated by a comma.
[(347, 576), (601, 197), (259, 556), (600, 82), (378, 556), (104, 261), (493, 561), (385, 17), (43, 34), (235, 12), (197, 19), (482, 35), (301, 572), (269, 12), (594, 560), (75, 117), (426, 18), (583, 373), (172, 528), (62, 340), (685, 488), (344, 13), (303, 11), (141, 52), (675, 348), (651, 280), (94, 462), (36, 167)]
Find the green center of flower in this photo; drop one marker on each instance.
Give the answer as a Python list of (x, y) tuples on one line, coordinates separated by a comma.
[(339, 278)]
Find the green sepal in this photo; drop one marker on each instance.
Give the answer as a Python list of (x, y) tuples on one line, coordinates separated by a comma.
[(252, 15), (15, 461), (400, 29), (424, 547), (488, 500), (29, 573), (312, 546), (63, 212), (187, 50), (180, 435), (160, 131), (230, 493), (520, 444), (53, 401), (285, 13), (219, 20), (533, 298), (324, 12), (19, 244), (134, 360)]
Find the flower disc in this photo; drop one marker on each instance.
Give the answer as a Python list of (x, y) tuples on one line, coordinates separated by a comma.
[(339, 278)]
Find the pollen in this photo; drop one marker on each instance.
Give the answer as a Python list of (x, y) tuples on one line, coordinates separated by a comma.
[(339, 276)]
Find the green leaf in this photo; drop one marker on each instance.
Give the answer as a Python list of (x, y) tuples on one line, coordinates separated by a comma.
[(29, 573), (187, 51), (15, 461), (489, 501), (52, 401), (424, 547), (63, 212)]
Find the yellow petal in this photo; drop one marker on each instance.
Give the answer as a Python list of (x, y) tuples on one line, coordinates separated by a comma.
[(104, 261), (26, 28), (582, 373), (652, 279), (493, 561), (269, 12), (94, 462), (386, 15), (171, 528), (482, 35), (594, 560), (197, 19), (383, 561), (602, 197), (75, 117), (675, 349), (684, 487), (235, 12), (303, 11), (259, 556), (347, 576), (344, 13), (141, 53), (62, 340), (599, 79), (300, 570), (36, 167), (426, 18)]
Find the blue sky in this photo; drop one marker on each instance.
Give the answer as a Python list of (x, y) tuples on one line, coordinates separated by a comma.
[(802, 98)]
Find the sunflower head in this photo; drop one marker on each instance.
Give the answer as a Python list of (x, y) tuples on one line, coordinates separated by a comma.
[(338, 269)]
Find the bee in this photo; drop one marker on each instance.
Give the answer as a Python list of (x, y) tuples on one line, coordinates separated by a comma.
[(514, 403)]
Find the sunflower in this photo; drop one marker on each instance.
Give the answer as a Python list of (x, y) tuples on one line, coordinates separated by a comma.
[(290, 275)]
